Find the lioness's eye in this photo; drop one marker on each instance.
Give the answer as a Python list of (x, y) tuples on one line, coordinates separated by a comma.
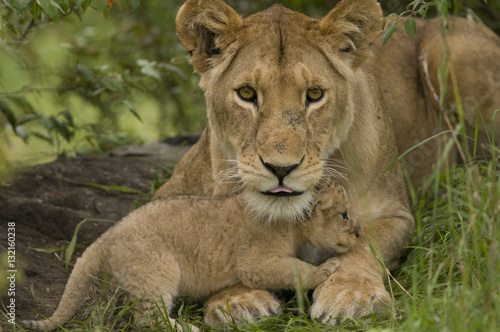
[(247, 93), (314, 94), (345, 215)]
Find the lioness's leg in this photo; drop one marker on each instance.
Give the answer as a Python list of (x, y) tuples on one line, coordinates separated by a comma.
[(356, 289), (238, 304)]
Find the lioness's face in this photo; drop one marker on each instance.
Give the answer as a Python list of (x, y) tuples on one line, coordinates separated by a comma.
[(279, 101)]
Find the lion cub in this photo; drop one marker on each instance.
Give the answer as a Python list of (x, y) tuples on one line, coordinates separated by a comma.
[(196, 246)]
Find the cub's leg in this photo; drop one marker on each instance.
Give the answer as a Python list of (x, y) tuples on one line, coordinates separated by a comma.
[(154, 277), (238, 304), (284, 272)]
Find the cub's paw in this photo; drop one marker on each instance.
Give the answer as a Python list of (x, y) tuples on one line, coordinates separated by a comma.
[(325, 270), (240, 304), (348, 296)]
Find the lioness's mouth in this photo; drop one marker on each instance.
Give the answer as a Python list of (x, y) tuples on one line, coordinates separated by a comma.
[(282, 191), (283, 194)]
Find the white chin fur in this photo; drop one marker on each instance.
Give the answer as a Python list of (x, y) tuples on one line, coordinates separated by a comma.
[(274, 209)]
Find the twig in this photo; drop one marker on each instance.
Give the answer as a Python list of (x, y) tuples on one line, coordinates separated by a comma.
[(35, 90)]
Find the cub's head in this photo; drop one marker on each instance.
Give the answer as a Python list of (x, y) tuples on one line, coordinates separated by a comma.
[(279, 91), (332, 227)]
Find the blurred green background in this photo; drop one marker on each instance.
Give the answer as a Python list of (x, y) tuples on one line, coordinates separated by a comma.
[(84, 76)]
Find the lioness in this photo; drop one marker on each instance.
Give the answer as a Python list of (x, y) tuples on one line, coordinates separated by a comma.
[(292, 101), (197, 246)]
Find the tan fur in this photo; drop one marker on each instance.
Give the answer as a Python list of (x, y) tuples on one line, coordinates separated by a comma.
[(348, 134), (407, 72), (197, 246)]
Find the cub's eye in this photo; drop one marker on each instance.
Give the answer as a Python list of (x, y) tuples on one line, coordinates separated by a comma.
[(247, 94), (314, 95), (345, 215)]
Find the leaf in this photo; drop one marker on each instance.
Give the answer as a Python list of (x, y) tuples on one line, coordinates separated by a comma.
[(132, 109), (22, 133), (22, 103), (49, 9), (101, 5), (85, 71), (36, 11), (46, 250), (85, 5), (7, 112), (69, 117), (20, 5), (410, 28), (147, 68), (442, 7), (413, 4), (390, 31), (122, 189), (423, 10), (117, 188), (29, 118), (44, 136), (72, 244)]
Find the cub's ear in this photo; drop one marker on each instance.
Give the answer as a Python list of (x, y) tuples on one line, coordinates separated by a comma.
[(205, 28), (351, 27)]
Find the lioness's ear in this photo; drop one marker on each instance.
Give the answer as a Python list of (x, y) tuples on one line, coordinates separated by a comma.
[(205, 28), (353, 26)]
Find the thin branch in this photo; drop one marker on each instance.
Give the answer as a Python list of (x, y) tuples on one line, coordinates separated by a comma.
[(37, 90)]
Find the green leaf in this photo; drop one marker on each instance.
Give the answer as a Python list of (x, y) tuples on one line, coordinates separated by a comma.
[(411, 27), (50, 9), (148, 68), (22, 103), (36, 11), (72, 244), (85, 5), (121, 189), (390, 31), (413, 4), (442, 7), (85, 71), (69, 117), (7, 112), (46, 250), (101, 5), (423, 10), (29, 118), (20, 5), (132, 109), (22, 133)]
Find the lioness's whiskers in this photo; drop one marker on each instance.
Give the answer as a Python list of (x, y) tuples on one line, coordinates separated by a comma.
[(228, 176)]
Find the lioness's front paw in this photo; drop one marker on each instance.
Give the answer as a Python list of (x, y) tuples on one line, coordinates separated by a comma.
[(239, 304), (348, 296)]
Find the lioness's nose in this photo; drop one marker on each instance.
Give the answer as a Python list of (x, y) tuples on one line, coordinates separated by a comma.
[(280, 171)]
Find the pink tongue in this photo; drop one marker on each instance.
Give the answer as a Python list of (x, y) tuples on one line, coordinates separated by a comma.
[(280, 189)]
